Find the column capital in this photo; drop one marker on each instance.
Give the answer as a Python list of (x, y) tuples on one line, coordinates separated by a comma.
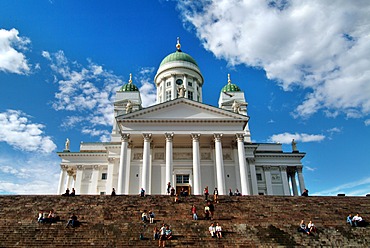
[(95, 167), (169, 136), (240, 137), (70, 172), (299, 168), (283, 167), (217, 136), (64, 167), (125, 137), (195, 136), (267, 168), (147, 136), (111, 160), (79, 167)]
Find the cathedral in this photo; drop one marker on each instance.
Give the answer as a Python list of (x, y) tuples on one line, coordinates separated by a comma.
[(182, 142)]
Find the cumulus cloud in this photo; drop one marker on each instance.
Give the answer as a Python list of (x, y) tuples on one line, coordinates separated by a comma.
[(308, 44), (32, 174), (147, 89), (286, 138), (19, 132), (367, 122), (11, 57)]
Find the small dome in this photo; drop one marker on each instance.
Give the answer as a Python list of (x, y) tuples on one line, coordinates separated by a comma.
[(229, 87), (129, 86)]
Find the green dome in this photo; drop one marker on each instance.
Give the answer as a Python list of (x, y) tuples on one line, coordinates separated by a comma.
[(178, 56), (229, 87), (129, 87)]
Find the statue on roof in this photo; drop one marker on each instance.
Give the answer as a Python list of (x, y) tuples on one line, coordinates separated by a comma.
[(294, 146), (67, 145), (236, 107), (181, 90)]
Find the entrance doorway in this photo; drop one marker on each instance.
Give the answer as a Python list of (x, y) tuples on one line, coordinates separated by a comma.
[(182, 184)]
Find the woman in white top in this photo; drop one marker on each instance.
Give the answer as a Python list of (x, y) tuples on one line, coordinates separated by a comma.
[(218, 231)]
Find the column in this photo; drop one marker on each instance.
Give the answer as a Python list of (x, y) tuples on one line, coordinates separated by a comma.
[(252, 168), (163, 90), (267, 169), (300, 179), (126, 183), (185, 83), (78, 181), (110, 169), (242, 165), (146, 162), (94, 180), (169, 157), (70, 174), (195, 86), (62, 178), (122, 163), (196, 164), (284, 177), (219, 164), (294, 183), (173, 87)]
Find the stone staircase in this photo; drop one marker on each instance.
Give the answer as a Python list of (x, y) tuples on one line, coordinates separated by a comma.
[(247, 221)]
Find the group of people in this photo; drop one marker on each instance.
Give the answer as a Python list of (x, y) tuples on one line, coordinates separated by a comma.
[(147, 216), (356, 221), (69, 193), (215, 231), (309, 229), (162, 234), (45, 217), (236, 193)]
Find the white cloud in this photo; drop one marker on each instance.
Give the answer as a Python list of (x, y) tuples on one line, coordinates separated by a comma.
[(32, 174), (18, 131), (359, 187), (147, 90), (367, 122), (309, 168), (320, 46), (286, 138), (11, 59)]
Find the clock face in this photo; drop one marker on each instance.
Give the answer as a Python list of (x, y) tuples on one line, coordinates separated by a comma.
[(179, 82)]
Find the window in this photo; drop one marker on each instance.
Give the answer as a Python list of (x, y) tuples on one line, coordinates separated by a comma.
[(259, 177), (190, 84), (179, 82), (168, 83), (168, 95), (190, 95), (102, 193), (182, 178), (104, 176)]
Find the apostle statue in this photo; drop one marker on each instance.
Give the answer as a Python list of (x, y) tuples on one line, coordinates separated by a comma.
[(67, 145), (181, 90), (236, 107), (128, 107), (294, 146)]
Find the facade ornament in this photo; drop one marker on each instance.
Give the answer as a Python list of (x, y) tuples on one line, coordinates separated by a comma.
[(125, 137), (111, 160), (240, 137), (217, 136), (147, 136), (67, 145), (70, 172), (79, 167), (236, 107), (95, 167), (195, 136), (283, 167), (128, 107)]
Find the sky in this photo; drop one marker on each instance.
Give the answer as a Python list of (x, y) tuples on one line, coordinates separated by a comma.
[(304, 66)]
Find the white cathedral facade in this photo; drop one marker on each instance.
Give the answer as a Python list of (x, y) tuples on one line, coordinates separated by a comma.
[(183, 141)]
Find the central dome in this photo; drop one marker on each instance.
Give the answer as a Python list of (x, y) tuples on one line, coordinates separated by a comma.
[(178, 56)]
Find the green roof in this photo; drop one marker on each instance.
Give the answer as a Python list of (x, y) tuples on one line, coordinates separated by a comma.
[(129, 87), (230, 88), (178, 56)]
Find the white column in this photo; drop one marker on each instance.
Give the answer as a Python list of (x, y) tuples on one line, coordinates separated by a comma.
[(94, 180), (300, 179), (163, 83), (185, 83), (78, 181), (242, 165), (173, 87), (109, 182), (62, 178), (126, 183), (219, 164), (70, 174), (122, 163), (146, 161), (266, 169), (195, 86), (284, 177), (169, 157), (294, 183), (196, 165), (252, 168)]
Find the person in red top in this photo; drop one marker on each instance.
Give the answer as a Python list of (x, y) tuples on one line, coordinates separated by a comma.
[(194, 212), (206, 193)]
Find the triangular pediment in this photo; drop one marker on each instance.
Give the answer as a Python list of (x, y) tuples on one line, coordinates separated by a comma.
[(183, 109)]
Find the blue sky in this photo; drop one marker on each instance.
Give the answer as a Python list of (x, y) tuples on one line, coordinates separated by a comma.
[(304, 67)]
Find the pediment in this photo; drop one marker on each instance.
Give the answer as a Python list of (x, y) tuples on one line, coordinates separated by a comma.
[(182, 109)]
